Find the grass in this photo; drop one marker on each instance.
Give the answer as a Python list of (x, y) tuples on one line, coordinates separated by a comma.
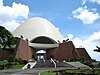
[(47, 73), (10, 65), (86, 71), (54, 72), (3, 63), (17, 66), (73, 71), (96, 71)]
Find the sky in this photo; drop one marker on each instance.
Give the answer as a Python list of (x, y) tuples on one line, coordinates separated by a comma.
[(78, 20)]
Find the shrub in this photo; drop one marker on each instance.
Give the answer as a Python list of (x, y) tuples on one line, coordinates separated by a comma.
[(11, 58)]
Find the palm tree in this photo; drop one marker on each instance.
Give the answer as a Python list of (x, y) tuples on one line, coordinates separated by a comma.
[(6, 38), (98, 49)]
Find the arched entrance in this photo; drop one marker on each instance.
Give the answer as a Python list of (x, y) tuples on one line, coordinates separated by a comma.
[(41, 54), (42, 46)]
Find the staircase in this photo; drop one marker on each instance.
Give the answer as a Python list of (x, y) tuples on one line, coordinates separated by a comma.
[(50, 64), (53, 64), (44, 64), (29, 65)]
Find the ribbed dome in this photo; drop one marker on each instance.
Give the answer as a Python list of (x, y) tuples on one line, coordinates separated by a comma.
[(37, 27)]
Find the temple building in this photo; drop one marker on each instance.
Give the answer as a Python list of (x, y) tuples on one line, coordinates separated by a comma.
[(38, 38)]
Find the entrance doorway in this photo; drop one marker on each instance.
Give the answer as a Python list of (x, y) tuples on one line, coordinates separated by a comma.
[(41, 54)]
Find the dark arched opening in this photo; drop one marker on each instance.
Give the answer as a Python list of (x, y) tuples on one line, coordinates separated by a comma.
[(43, 40)]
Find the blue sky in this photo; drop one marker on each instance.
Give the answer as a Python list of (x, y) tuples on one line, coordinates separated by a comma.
[(78, 20)]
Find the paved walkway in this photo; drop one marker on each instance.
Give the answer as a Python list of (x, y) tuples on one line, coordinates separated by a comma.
[(78, 65), (35, 71)]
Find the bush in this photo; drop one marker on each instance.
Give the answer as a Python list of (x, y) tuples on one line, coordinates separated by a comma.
[(20, 61), (11, 58), (3, 65)]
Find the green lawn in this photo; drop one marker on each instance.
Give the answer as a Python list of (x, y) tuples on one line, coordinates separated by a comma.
[(73, 71), (86, 71), (3, 63), (53, 72), (10, 65), (47, 73), (18, 66)]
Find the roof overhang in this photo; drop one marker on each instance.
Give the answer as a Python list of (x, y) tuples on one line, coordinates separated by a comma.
[(43, 46)]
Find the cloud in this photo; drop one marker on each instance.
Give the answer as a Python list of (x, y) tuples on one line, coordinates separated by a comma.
[(1, 2), (77, 42), (10, 25), (86, 16), (93, 1), (90, 44), (8, 15), (70, 36), (95, 37)]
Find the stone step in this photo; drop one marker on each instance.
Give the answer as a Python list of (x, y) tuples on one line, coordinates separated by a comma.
[(42, 64), (48, 63)]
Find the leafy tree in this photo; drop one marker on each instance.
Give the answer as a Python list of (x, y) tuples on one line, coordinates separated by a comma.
[(6, 38), (98, 49)]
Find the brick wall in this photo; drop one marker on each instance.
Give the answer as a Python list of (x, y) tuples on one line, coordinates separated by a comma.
[(23, 50)]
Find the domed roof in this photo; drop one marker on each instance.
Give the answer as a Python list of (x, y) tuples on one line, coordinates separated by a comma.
[(37, 27)]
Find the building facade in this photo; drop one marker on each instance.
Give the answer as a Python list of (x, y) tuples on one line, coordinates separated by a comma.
[(38, 34)]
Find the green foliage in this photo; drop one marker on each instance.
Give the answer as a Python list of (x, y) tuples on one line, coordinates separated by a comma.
[(3, 63), (11, 58), (73, 71), (10, 65), (6, 38), (76, 71), (47, 73), (20, 61), (17, 66)]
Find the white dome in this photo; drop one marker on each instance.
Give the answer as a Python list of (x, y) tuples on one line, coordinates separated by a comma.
[(37, 27)]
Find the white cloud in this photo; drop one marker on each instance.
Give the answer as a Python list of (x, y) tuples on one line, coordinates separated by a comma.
[(1, 2), (93, 1), (95, 37), (86, 16), (77, 42), (70, 36), (90, 44), (8, 15), (11, 25)]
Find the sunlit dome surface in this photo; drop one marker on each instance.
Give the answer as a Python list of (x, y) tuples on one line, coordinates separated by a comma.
[(38, 27)]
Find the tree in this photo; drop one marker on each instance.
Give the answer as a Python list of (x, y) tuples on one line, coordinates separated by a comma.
[(6, 38), (98, 49)]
